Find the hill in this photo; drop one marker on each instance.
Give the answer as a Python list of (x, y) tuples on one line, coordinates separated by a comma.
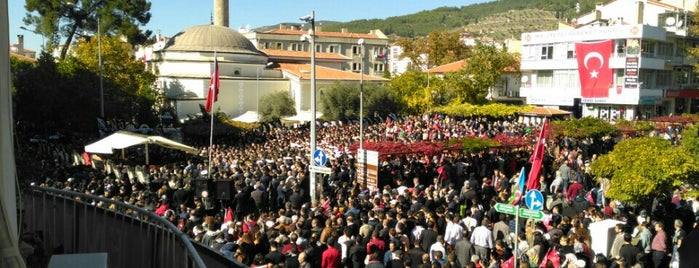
[(496, 19)]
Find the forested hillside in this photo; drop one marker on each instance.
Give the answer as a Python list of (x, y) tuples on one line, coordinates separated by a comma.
[(496, 19)]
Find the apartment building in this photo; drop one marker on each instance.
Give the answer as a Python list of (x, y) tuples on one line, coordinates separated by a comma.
[(627, 59)]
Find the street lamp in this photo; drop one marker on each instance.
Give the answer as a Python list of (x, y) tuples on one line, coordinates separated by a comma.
[(99, 62), (361, 107), (257, 107), (43, 41), (311, 18)]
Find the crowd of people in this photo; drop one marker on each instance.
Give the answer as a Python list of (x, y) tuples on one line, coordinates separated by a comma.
[(427, 211)]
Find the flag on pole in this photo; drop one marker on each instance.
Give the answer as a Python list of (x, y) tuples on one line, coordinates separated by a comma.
[(214, 85), (518, 189), (537, 158)]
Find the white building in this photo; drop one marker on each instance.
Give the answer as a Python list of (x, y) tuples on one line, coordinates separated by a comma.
[(651, 73)]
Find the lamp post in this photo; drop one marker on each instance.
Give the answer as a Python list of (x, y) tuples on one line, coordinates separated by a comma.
[(43, 41), (99, 61), (311, 19), (361, 107)]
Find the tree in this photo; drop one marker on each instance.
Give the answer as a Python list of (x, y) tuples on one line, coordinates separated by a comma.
[(643, 167), (439, 47), (411, 91), (483, 69), (64, 19), (127, 85), (275, 106), (341, 101)]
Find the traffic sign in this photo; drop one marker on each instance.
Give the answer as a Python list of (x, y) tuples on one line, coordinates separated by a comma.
[(531, 214), (534, 200), (505, 208), (320, 158), (317, 169)]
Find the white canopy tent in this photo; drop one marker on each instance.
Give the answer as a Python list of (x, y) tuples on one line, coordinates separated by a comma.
[(124, 139)]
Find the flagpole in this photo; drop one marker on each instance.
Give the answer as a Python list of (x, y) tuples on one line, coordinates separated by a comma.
[(211, 130)]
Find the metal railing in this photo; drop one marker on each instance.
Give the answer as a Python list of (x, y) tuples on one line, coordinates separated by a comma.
[(74, 223)]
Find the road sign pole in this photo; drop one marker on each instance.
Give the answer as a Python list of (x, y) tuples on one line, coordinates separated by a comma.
[(516, 255)]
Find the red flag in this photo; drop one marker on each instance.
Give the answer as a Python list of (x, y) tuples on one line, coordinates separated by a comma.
[(593, 68), (537, 158), (229, 215), (553, 257), (508, 263), (214, 85)]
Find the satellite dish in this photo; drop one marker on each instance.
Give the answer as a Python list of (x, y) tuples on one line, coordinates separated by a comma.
[(680, 23), (525, 79), (670, 21)]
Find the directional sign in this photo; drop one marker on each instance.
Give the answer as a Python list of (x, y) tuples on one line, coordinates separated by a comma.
[(320, 158), (505, 208), (317, 169), (535, 200), (531, 214)]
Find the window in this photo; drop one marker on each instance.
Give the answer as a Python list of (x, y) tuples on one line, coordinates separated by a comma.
[(663, 79), (648, 48), (333, 49), (265, 45), (682, 76), (665, 50), (544, 79), (356, 67), (319, 48), (547, 52), (278, 45), (356, 50), (570, 54), (379, 67), (621, 47), (295, 47)]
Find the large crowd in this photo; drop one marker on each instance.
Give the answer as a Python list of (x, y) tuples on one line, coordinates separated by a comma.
[(427, 210)]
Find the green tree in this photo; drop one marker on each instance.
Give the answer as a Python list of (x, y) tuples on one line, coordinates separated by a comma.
[(412, 92), (440, 47), (379, 100), (586, 127), (643, 167), (483, 69), (127, 85), (64, 19), (275, 106), (341, 101)]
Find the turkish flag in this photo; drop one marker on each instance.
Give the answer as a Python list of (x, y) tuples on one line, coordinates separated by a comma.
[(537, 158), (214, 85), (593, 68)]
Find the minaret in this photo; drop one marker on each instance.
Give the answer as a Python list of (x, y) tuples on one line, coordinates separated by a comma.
[(221, 13)]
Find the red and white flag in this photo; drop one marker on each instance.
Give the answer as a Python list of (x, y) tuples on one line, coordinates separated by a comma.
[(593, 68), (214, 86), (537, 158)]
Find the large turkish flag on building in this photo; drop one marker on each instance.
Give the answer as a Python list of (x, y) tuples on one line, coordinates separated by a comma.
[(593, 68)]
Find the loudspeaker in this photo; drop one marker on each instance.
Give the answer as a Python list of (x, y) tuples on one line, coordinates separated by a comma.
[(224, 190), (200, 185)]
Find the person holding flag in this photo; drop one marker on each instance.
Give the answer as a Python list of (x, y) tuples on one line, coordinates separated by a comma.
[(518, 189)]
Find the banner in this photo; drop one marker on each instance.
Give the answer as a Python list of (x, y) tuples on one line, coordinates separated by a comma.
[(593, 68)]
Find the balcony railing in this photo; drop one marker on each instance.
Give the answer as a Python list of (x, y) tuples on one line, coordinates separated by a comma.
[(74, 223)]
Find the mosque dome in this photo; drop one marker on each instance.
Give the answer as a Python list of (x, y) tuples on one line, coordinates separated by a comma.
[(211, 38)]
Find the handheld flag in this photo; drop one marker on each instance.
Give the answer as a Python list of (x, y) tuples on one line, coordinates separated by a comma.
[(214, 85), (229, 215), (537, 158), (518, 189)]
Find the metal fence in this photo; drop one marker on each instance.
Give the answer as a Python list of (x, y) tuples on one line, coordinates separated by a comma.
[(73, 223)]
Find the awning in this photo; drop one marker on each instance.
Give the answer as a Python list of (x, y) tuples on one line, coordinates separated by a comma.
[(248, 117), (302, 117), (125, 139)]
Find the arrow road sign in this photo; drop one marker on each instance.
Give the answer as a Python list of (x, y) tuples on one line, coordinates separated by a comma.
[(531, 214), (505, 208), (320, 158), (535, 200)]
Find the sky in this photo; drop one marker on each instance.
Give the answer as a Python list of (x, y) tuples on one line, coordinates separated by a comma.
[(172, 16)]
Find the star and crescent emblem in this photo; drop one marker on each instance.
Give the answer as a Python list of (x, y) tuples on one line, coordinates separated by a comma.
[(593, 55)]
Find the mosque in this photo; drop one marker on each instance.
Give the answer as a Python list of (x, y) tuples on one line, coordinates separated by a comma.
[(184, 65)]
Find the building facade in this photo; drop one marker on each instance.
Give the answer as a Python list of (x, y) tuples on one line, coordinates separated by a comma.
[(372, 61), (651, 73)]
